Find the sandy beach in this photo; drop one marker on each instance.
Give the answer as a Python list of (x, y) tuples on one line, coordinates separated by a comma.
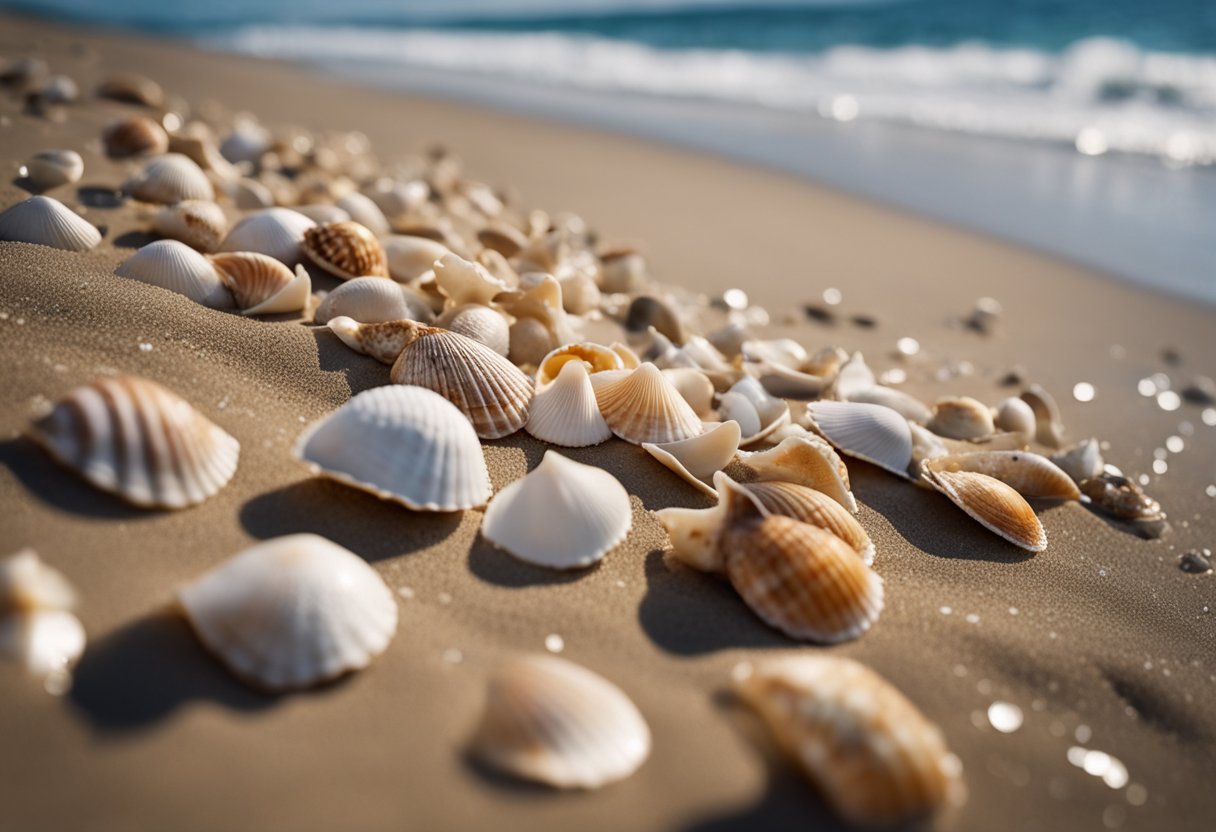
[(1102, 641)]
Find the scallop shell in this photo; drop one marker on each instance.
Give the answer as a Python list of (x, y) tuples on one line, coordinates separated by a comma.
[(27, 585), (132, 88), (411, 257), (868, 432), (262, 285), (45, 642), (47, 222), (132, 437), (1049, 429), (373, 300), (1015, 416), (871, 754), (551, 721), (695, 460), (481, 323), (134, 136), (961, 418), (200, 225), (276, 232), (170, 178), (564, 410), (322, 213), (177, 267), (561, 515), (48, 169), (642, 406), (805, 460), (906, 405), (291, 612), (993, 504), (1082, 461), (809, 506), (345, 250), (695, 387), (1029, 474), (365, 212)]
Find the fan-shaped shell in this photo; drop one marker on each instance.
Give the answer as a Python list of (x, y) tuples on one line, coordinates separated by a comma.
[(642, 406), (373, 300), (562, 514), (905, 404), (411, 257), (594, 357), (134, 136), (170, 178), (1029, 474), (27, 584), (403, 444), (276, 232), (872, 755), (1049, 429), (696, 459), (200, 225), (481, 323), (132, 437), (564, 410), (47, 222), (869, 432), (961, 418), (551, 721), (805, 460), (345, 250), (993, 504), (177, 267), (291, 612), (262, 285), (48, 169)]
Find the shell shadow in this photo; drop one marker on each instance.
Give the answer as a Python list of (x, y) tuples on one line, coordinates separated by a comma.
[(495, 566), (99, 196), (362, 373), (503, 782), (65, 490), (135, 239)]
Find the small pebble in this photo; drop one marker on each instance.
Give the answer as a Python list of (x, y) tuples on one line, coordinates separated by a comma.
[(1194, 562)]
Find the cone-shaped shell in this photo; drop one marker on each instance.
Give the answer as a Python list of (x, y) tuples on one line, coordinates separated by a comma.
[(872, 755), (277, 232), (200, 225), (262, 285), (809, 506), (170, 178), (132, 437), (1029, 474), (561, 515), (411, 257), (594, 357), (868, 432), (491, 391), (993, 504), (177, 267), (372, 300), (564, 411), (698, 458), (481, 323), (345, 250), (551, 721), (47, 222), (642, 406), (48, 169), (291, 612), (403, 444), (134, 136), (805, 460), (464, 281), (27, 584)]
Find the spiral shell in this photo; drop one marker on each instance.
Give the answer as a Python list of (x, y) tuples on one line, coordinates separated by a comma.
[(177, 267), (47, 222), (642, 406), (48, 169), (276, 232), (262, 285), (134, 136), (346, 250), (170, 178), (199, 224)]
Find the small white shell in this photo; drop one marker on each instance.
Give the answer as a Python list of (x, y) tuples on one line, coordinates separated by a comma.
[(27, 584), (292, 612), (481, 323), (854, 378), (696, 459), (771, 412), (45, 642), (1081, 461), (905, 404), (177, 267), (373, 300), (564, 410), (276, 232), (47, 222), (411, 257), (1015, 416), (562, 515), (200, 225), (48, 169), (170, 178), (869, 432)]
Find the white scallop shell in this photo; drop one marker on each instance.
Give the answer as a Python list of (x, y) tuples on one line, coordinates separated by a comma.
[(411, 257), (697, 459), (48, 169), (805, 460), (365, 212), (404, 444), (276, 232), (200, 225), (551, 721), (481, 323), (291, 612), (869, 432), (170, 178), (642, 406), (563, 514), (373, 300), (177, 267), (564, 411), (853, 378), (47, 222)]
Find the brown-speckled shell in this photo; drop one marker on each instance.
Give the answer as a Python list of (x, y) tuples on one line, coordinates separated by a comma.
[(134, 136), (346, 250)]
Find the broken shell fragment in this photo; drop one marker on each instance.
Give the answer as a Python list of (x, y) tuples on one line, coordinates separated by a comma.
[(48, 169), (170, 178), (642, 406), (993, 504), (961, 418), (345, 250), (44, 221), (805, 460), (262, 285), (466, 282), (564, 410), (177, 267), (197, 223), (869, 432), (696, 459), (1122, 499)]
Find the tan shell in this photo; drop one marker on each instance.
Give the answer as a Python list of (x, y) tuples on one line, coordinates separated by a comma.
[(48, 169), (345, 250), (695, 387), (543, 302), (411, 257), (813, 507), (1122, 499), (465, 282), (481, 323), (530, 342), (1014, 415), (961, 418), (170, 178), (135, 136), (261, 284), (993, 504), (805, 460), (197, 223), (132, 88), (503, 239), (594, 357), (1029, 474), (642, 406)]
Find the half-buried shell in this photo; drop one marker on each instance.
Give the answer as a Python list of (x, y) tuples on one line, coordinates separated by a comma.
[(170, 178), (177, 267), (345, 250), (642, 406), (44, 221), (372, 300), (262, 285), (48, 169)]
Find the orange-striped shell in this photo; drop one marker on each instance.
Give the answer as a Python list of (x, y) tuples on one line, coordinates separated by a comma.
[(813, 507), (346, 250), (993, 504), (642, 406), (261, 284)]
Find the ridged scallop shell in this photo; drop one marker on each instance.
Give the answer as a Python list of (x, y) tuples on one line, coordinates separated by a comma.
[(411, 257), (27, 584), (1049, 429), (813, 507), (177, 267), (696, 459), (170, 178), (48, 169), (403, 444), (1029, 474), (805, 460), (869, 432), (47, 222), (868, 751), (276, 232), (695, 387), (564, 410), (365, 212), (262, 285), (373, 300), (200, 225), (133, 438), (1081, 461), (134, 136), (561, 515), (345, 250), (481, 323), (594, 358), (642, 406), (961, 418), (1013, 415), (291, 612), (993, 504), (553, 722)]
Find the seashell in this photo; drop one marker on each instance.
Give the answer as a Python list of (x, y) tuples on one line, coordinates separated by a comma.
[(551, 721), (985, 316), (925, 445), (177, 267), (345, 250), (27, 585), (561, 515), (322, 213), (1029, 474), (580, 295), (246, 143), (646, 311), (491, 391), (783, 351), (869, 752), (785, 383), (993, 504), (737, 408), (60, 89), (381, 341), (262, 285), (805, 460), (629, 358), (134, 136), (906, 405), (853, 378), (1122, 499), (373, 300), (544, 303), (44, 221), (48, 169), (411, 257), (564, 410), (809, 506), (770, 411), (46, 642), (869, 432), (593, 357), (1049, 429), (698, 352), (1082, 461), (133, 438), (196, 141), (1015, 416), (642, 406), (622, 272), (498, 267), (695, 460), (132, 88), (249, 194), (826, 362), (530, 341), (481, 323), (291, 612), (170, 178), (276, 232), (729, 339), (961, 418), (200, 225), (695, 388), (365, 212), (403, 444), (503, 239)]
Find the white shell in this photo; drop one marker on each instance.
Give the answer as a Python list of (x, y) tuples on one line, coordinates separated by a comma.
[(404, 444), (481, 323), (563, 514), (905, 404), (45, 642), (564, 411), (1015, 416), (47, 222), (322, 213), (249, 194), (276, 232), (170, 178), (48, 169), (247, 141), (411, 257), (854, 378), (805, 460), (291, 612), (177, 267), (1081, 461), (695, 387), (551, 721), (200, 225), (869, 432), (696, 460), (771, 412), (365, 212), (373, 300), (737, 408)]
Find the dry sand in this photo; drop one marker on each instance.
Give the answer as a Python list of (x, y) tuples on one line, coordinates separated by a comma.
[(1101, 640)]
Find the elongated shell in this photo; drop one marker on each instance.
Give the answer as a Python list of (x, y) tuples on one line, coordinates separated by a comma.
[(177, 267), (872, 755), (403, 444), (805, 460), (561, 515), (48, 169), (698, 458), (993, 504), (277, 232), (47, 222), (481, 323), (642, 406), (170, 178), (133, 438), (594, 357), (200, 225), (134, 136), (551, 721), (262, 285), (1029, 474), (411, 257), (869, 432), (373, 300), (810, 506), (564, 411), (27, 584), (291, 612), (345, 250)]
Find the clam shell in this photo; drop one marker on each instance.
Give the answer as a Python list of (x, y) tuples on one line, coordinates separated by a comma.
[(696, 459), (564, 410), (27, 584), (373, 300), (481, 323), (642, 406), (345, 250), (47, 222), (133, 438), (961, 418), (403, 444), (45, 642), (411, 257), (132, 88), (594, 358), (276, 232), (170, 178), (695, 388), (1082, 461), (381, 341), (262, 285), (783, 351), (365, 212), (871, 754), (561, 515), (247, 141), (993, 504), (530, 341), (906, 405), (134, 136), (805, 460), (503, 239), (200, 225), (1013, 415), (810, 506), (737, 408), (292, 612), (1049, 429), (551, 721), (249, 194), (580, 295), (48, 169), (1029, 474), (177, 267), (869, 432)]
